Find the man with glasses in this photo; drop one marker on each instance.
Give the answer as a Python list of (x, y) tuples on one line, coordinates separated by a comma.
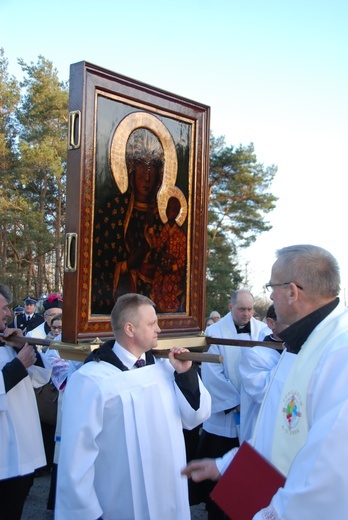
[(215, 315), (303, 423), (56, 327), (53, 305)]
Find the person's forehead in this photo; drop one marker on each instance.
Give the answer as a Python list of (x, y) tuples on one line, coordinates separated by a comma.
[(245, 301), (148, 168), (147, 311), (276, 270), (3, 301)]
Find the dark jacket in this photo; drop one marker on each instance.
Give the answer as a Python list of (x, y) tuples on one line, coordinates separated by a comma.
[(20, 322)]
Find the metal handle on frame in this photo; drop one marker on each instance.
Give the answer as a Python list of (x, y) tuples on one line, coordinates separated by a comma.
[(70, 252), (74, 130)]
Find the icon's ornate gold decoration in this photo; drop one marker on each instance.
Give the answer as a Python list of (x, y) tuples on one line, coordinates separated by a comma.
[(118, 162)]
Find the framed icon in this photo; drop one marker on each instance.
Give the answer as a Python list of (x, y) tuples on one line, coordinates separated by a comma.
[(137, 188)]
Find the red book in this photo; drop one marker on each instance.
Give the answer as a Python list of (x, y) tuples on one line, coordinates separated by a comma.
[(247, 485)]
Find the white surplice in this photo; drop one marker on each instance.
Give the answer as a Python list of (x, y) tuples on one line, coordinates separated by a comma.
[(317, 479), (22, 448), (122, 446), (223, 380), (256, 368)]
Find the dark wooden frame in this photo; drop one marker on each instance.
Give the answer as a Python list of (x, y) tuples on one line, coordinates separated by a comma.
[(90, 86)]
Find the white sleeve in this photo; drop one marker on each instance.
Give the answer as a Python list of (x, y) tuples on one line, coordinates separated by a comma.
[(191, 418), (40, 375), (256, 369), (222, 463), (215, 378), (81, 423)]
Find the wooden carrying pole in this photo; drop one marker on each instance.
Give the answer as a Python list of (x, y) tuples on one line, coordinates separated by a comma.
[(80, 351), (199, 345), (199, 357), (243, 343)]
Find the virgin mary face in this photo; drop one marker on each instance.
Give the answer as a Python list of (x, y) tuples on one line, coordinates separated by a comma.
[(146, 177)]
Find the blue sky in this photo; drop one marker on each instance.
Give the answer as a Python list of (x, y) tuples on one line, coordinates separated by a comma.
[(273, 72)]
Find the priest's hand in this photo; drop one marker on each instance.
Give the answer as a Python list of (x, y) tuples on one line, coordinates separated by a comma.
[(11, 337), (179, 365), (202, 469)]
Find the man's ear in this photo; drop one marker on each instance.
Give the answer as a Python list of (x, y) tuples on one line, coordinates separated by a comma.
[(129, 329), (270, 322), (293, 291)]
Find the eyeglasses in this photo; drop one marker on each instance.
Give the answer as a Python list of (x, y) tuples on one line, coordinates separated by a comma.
[(56, 328), (269, 286)]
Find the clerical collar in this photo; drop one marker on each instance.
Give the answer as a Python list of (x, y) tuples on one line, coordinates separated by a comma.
[(296, 334), (243, 329)]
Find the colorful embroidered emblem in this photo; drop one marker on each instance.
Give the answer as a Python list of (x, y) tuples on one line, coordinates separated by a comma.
[(292, 411)]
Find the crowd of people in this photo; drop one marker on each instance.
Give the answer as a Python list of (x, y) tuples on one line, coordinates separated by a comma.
[(119, 449)]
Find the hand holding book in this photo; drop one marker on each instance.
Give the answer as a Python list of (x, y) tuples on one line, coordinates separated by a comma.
[(247, 485)]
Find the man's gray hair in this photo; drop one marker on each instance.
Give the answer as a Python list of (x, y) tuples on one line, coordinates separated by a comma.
[(311, 267), (5, 291)]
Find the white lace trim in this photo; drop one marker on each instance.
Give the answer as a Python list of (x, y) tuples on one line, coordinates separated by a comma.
[(269, 514)]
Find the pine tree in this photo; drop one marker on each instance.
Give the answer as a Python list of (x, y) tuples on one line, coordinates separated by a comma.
[(239, 201), (9, 98), (42, 117)]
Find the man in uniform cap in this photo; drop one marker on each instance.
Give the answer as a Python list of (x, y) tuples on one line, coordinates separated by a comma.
[(29, 319), (19, 310)]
